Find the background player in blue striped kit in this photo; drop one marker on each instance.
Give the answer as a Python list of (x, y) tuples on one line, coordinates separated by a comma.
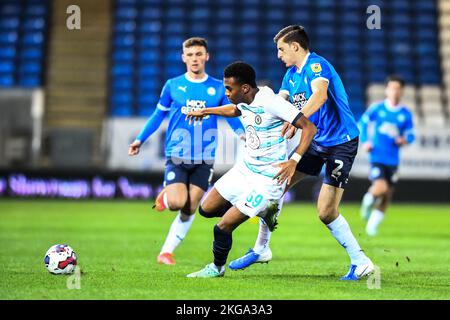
[(189, 150), (392, 128), (314, 87)]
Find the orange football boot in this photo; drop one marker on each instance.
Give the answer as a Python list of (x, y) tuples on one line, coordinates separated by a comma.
[(166, 258)]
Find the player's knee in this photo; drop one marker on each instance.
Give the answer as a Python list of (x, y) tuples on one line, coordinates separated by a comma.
[(177, 203), (205, 213), (225, 226), (327, 213)]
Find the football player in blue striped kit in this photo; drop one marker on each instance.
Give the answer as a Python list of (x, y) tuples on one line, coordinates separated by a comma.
[(189, 150), (393, 128)]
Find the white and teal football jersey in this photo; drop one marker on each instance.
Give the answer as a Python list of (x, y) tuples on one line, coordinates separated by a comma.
[(263, 120)]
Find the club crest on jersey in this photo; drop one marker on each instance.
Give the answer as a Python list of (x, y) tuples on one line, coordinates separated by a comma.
[(316, 67), (258, 119), (211, 91)]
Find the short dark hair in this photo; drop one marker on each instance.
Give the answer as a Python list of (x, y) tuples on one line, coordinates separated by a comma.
[(395, 78), (293, 33), (195, 41), (242, 72)]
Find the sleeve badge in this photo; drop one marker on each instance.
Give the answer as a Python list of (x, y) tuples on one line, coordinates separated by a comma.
[(316, 67)]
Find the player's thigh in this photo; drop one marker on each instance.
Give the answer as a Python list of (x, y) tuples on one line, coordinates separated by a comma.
[(232, 219), (214, 201), (195, 194), (339, 163), (201, 175), (298, 176), (310, 164), (328, 202), (379, 187), (231, 185)]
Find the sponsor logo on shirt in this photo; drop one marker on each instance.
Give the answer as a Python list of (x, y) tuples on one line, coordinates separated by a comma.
[(193, 105), (182, 88), (299, 100)]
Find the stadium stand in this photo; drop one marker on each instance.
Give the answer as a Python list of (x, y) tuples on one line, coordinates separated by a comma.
[(23, 32), (147, 37)]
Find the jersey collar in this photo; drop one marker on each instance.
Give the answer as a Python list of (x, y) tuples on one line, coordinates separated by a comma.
[(186, 75), (299, 70), (392, 108)]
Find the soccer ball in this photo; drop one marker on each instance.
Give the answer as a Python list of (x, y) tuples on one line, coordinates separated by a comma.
[(60, 259)]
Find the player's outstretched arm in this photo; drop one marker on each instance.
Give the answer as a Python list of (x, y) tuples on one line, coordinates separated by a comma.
[(228, 111), (309, 130)]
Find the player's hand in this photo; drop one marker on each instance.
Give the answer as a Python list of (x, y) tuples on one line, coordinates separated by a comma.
[(400, 141), (289, 129), (367, 146), (195, 117), (133, 149), (286, 172)]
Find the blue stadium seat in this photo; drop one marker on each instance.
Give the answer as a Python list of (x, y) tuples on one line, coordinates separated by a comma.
[(126, 12), (150, 27), (7, 66), (149, 70), (33, 38), (174, 28), (199, 28), (11, 23), (150, 41), (124, 40), (123, 55), (149, 13), (31, 52), (9, 37), (149, 55), (30, 81), (125, 26), (36, 10), (145, 110), (122, 97), (30, 67), (275, 14), (10, 9), (122, 110), (400, 5), (149, 84), (34, 24), (176, 14), (224, 14), (126, 2), (6, 79), (401, 18), (426, 20), (122, 83), (7, 52), (250, 14), (200, 13), (122, 69)]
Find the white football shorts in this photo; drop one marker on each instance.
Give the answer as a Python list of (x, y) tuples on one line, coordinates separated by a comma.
[(250, 192)]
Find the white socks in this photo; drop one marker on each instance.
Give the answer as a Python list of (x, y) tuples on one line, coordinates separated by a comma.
[(177, 231), (368, 200), (262, 242), (374, 221), (341, 232)]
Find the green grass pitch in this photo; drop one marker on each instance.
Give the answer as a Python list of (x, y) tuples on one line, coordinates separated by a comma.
[(117, 243)]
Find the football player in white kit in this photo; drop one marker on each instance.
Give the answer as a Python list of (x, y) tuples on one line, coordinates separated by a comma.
[(249, 188)]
